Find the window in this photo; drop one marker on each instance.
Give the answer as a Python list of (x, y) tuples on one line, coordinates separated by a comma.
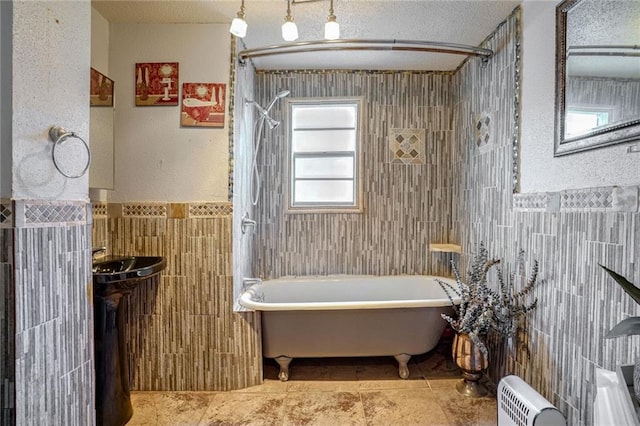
[(324, 150), (584, 120)]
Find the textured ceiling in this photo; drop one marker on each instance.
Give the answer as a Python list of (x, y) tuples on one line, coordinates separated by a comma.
[(461, 22)]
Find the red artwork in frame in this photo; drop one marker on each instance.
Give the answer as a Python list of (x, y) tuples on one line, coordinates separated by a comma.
[(101, 89), (203, 105), (156, 83)]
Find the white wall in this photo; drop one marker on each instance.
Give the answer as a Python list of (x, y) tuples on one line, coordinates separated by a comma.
[(101, 119), (6, 12), (99, 42), (49, 43), (540, 171), (156, 159)]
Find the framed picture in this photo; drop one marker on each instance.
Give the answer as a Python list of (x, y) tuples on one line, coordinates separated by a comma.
[(101, 89), (203, 105), (156, 83)]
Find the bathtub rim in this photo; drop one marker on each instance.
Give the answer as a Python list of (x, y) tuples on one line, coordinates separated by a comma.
[(246, 298)]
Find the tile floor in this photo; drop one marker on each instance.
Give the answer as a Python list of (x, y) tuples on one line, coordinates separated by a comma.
[(330, 391)]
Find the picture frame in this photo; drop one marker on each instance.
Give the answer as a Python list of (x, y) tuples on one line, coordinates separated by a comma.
[(156, 83), (101, 89), (203, 105)]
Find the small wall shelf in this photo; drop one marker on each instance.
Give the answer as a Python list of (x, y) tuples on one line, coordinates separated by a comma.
[(445, 248)]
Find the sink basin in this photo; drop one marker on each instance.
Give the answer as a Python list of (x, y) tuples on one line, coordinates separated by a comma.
[(126, 268)]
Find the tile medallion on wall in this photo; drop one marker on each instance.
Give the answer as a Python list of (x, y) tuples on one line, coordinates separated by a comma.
[(407, 146), (482, 130)]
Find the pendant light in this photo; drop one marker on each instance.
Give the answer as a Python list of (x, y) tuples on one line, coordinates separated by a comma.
[(331, 28), (289, 28), (239, 25)]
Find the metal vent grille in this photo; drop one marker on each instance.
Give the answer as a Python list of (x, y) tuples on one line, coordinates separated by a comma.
[(514, 407), (520, 405)]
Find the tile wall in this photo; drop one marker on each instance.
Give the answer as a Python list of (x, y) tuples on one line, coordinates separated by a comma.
[(7, 317), (464, 193), (53, 329), (181, 330), (568, 232), (407, 135)]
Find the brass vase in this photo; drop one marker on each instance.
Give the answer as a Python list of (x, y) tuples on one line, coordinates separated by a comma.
[(472, 361)]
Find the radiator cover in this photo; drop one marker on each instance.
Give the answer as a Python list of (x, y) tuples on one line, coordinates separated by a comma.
[(520, 405)]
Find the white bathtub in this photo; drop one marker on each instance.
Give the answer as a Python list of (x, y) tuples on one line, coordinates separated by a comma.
[(347, 315)]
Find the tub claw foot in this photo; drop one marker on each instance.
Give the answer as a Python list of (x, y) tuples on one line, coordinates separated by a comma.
[(403, 368), (283, 362)]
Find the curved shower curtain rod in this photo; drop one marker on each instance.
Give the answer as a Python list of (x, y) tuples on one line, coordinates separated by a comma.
[(361, 44)]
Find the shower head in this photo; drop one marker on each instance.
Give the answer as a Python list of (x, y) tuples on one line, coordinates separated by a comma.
[(280, 95), (272, 123)]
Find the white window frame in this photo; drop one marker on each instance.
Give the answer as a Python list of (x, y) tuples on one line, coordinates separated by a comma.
[(357, 207)]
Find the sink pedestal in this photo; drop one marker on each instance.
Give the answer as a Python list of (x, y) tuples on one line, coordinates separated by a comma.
[(114, 278), (113, 398)]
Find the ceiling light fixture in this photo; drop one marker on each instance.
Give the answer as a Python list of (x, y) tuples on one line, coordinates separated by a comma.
[(289, 28), (331, 28), (239, 25)]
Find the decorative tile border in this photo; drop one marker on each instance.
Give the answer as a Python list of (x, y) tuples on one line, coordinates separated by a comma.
[(99, 210), (144, 209), (540, 202), (6, 213), (606, 199), (165, 210), (31, 214), (219, 209)]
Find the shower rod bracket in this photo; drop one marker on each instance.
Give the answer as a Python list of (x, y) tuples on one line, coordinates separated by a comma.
[(364, 44)]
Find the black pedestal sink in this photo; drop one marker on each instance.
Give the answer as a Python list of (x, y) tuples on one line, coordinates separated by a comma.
[(113, 279)]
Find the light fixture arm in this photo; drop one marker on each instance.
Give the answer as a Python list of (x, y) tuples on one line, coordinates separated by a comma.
[(241, 13), (331, 16), (288, 18)]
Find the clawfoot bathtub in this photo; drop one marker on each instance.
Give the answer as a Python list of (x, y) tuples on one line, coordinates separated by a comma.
[(344, 316)]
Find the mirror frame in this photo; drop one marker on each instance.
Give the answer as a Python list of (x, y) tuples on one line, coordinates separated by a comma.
[(615, 134)]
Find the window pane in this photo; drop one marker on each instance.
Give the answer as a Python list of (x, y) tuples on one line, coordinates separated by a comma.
[(324, 167), (324, 117), (327, 191), (578, 122), (324, 140)]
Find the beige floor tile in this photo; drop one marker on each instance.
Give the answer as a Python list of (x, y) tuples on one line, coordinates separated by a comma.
[(243, 408), (466, 411), (407, 407), (268, 385), (324, 408), (322, 386), (445, 383), (168, 408), (437, 364)]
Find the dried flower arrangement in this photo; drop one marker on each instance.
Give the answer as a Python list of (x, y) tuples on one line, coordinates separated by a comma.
[(482, 309)]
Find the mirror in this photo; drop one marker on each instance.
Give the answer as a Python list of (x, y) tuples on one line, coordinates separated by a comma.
[(597, 74), (101, 131)]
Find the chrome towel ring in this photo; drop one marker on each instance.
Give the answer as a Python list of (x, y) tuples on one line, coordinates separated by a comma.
[(59, 136)]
